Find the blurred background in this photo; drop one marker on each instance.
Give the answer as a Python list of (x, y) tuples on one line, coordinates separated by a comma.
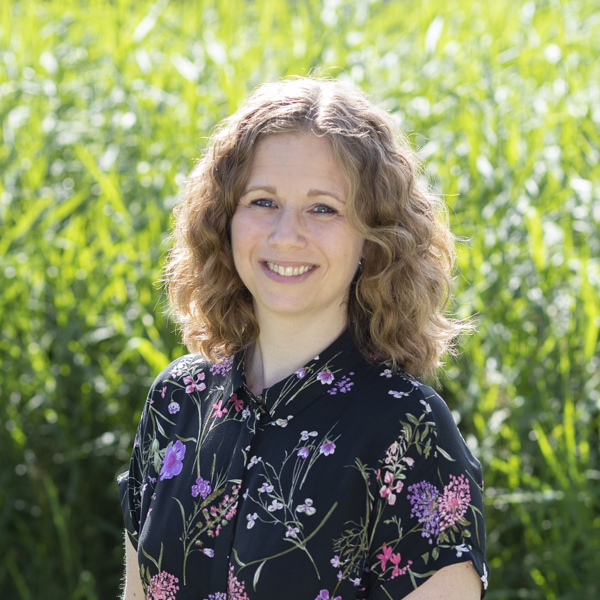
[(104, 104)]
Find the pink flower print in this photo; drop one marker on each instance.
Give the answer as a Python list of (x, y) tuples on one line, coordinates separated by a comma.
[(235, 588), (238, 403), (399, 486), (190, 384), (202, 488), (253, 461), (325, 377), (292, 532), (173, 407), (303, 452), (172, 464), (454, 502), (389, 477), (307, 508), (327, 448), (395, 560), (335, 562), (162, 587), (251, 520), (162, 393), (304, 435), (300, 373), (324, 595), (409, 461), (219, 412), (209, 552), (386, 553)]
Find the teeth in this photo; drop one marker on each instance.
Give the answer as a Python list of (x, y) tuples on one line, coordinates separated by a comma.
[(288, 271)]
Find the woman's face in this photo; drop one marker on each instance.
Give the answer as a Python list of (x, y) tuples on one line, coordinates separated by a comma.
[(292, 245)]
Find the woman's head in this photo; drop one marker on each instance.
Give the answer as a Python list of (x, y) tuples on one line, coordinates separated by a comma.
[(396, 298)]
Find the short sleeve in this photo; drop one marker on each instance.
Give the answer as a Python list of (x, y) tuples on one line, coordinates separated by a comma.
[(428, 502), (130, 490)]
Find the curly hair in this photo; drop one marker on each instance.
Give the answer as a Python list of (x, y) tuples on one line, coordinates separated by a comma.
[(397, 299)]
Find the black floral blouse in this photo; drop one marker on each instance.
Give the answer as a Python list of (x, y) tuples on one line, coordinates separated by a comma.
[(342, 481)]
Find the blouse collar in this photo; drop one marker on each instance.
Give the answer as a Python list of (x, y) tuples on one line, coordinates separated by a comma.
[(324, 373)]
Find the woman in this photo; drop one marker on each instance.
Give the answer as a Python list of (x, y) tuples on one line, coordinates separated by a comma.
[(297, 455)]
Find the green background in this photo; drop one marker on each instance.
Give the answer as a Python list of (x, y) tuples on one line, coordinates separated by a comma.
[(103, 107)]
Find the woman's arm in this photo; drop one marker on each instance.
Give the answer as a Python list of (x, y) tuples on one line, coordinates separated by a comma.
[(133, 583), (455, 582)]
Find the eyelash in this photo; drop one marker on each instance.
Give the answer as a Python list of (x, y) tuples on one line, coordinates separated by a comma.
[(328, 211)]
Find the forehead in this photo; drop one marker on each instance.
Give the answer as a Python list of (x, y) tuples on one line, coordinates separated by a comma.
[(296, 158)]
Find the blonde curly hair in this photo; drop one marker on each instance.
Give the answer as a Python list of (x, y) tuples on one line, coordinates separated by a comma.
[(397, 299)]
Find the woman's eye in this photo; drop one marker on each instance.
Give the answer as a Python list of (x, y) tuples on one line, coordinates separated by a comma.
[(323, 209), (265, 202)]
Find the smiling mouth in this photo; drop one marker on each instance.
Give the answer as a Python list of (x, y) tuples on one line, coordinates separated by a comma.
[(289, 271)]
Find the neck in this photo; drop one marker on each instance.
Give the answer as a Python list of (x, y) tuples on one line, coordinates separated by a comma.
[(284, 345)]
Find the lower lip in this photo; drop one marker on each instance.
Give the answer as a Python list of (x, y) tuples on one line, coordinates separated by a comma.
[(282, 278)]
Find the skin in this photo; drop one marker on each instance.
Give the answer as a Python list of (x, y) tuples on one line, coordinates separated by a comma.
[(292, 214)]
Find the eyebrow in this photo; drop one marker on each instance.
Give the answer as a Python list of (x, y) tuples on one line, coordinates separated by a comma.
[(312, 193)]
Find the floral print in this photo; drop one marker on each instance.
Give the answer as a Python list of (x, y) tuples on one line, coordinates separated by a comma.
[(344, 480)]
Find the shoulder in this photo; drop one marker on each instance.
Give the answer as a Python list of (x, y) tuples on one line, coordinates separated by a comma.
[(191, 371)]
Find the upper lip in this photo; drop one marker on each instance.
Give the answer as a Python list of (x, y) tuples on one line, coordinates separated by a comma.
[(287, 263)]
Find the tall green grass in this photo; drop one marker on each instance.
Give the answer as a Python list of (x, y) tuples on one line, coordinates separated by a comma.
[(103, 107)]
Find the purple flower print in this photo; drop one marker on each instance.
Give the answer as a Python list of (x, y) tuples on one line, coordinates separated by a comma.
[(454, 502), (173, 407), (423, 497), (162, 587), (343, 386), (324, 595), (335, 561), (325, 377), (173, 461), (303, 452), (136, 442), (386, 373), (223, 367), (266, 487), (292, 532), (209, 552), (275, 505), (327, 448), (202, 488), (300, 373)]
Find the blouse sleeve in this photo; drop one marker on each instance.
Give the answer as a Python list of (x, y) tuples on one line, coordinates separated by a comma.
[(137, 484), (428, 509)]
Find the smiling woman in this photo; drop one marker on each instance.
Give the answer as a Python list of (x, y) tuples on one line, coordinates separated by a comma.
[(297, 454)]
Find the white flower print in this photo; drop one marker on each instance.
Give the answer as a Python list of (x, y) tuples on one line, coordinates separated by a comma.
[(266, 487), (292, 532), (398, 394), (484, 578), (307, 507), (251, 520), (253, 461), (275, 505), (305, 435), (426, 405), (387, 373), (460, 549)]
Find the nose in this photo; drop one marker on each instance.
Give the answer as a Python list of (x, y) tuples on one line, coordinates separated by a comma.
[(288, 230)]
